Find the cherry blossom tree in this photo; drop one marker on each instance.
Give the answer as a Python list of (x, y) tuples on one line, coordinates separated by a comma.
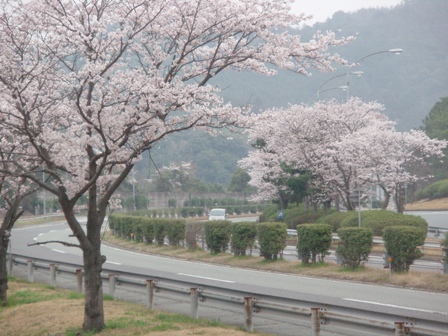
[(344, 145), (87, 86), (13, 189)]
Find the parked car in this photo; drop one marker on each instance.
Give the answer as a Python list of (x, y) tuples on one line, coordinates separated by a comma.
[(217, 214)]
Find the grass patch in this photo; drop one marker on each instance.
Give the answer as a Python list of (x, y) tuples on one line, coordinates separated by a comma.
[(107, 297), (27, 296), (125, 322), (41, 310)]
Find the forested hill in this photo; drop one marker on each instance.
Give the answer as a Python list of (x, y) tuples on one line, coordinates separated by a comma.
[(408, 85)]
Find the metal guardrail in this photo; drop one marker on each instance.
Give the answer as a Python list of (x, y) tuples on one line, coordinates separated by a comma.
[(316, 315)]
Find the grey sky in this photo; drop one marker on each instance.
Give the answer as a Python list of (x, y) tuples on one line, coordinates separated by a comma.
[(324, 9)]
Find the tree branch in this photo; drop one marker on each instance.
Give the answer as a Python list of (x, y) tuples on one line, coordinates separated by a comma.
[(55, 241)]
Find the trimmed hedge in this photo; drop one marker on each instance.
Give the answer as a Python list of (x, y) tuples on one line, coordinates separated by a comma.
[(243, 237), (147, 229), (217, 235), (335, 219), (313, 242), (401, 244), (175, 232), (272, 239), (356, 244), (377, 220)]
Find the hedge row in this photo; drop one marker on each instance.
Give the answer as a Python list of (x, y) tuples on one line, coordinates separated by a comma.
[(217, 234), (148, 229), (242, 236), (293, 216), (375, 220)]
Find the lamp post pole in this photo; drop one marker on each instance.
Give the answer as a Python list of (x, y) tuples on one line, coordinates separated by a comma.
[(319, 90), (342, 87), (396, 51)]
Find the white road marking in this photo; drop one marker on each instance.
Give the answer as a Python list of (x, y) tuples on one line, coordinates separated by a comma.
[(201, 277), (112, 262), (59, 251), (395, 306)]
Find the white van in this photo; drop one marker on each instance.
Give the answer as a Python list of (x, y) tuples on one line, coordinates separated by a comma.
[(217, 214)]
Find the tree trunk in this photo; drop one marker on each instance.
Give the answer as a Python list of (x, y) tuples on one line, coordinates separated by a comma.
[(386, 200), (3, 273), (93, 309)]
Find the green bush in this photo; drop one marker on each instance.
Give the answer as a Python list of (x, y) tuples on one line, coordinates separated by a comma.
[(335, 219), (147, 229), (303, 217), (137, 228), (355, 246), (269, 213), (444, 242), (313, 242), (401, 244), (160, 229), (444, 245), (243, 237), (438, 189), (175, 231), (377, 220), (272, 239), (217, 235)]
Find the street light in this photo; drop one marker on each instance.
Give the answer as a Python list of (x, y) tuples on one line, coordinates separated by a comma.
[(343, 88), (355, 197), (319, 90), (395, 51)]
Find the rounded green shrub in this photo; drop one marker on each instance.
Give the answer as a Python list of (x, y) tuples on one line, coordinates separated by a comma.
[(335, 219), (377, 220), (243, 237), (402, 244), (272, 239), (355, 246), (313, 242), (217, 235)]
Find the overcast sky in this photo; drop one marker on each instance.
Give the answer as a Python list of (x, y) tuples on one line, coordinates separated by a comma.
[(324, 9)]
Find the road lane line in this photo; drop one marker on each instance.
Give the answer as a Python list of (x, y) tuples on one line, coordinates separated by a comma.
[(201, 277), (112, 262), (59, 251), (395, 306)]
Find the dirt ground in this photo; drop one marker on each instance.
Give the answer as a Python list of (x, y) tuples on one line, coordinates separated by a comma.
[(437, 204), (54, 317)]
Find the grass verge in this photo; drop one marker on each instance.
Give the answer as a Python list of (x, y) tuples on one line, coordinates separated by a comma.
[(36, 309)]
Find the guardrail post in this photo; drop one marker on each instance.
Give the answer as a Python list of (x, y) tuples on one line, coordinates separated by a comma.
[(53, 275), (10, 263), (112, 285), (30, 270), (315, 321), (444, 260), (248, 314), (194, 302), (150, 294), (78, 273), (399, 329)]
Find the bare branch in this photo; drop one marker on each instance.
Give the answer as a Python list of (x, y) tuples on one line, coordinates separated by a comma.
[(55, 241)]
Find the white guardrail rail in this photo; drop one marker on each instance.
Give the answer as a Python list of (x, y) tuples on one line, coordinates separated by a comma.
[(315, 315)]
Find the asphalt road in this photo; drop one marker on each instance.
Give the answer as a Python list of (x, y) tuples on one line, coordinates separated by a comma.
[(412, 303)]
